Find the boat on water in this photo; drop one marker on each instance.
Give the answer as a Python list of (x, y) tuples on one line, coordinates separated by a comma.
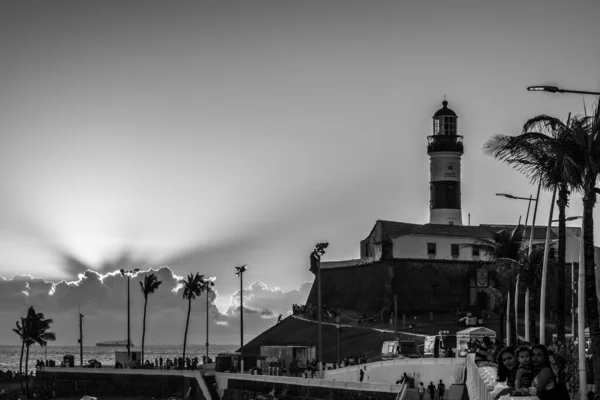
[(114, 343)]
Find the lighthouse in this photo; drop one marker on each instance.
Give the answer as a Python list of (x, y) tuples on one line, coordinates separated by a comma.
[(445, 149)]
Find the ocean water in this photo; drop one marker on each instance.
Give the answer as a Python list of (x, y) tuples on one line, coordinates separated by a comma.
[(9, 355)]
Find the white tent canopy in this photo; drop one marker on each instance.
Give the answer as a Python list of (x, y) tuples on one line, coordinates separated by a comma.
[(476, 333)]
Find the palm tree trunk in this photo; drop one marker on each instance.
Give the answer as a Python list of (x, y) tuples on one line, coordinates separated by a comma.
[(502, 318), (21, 363), (508, 341), (517, 282), (144, 327), (591, 300), (27, 373), (187, 323), (560, 267)]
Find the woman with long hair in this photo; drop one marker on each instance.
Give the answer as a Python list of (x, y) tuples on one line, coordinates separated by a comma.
[(544, 381)]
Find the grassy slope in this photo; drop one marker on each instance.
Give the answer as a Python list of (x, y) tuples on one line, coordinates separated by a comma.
[(297, 331)]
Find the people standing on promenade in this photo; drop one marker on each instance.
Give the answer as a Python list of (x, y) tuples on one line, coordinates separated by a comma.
[(441, 388), (421, 390), (431, 390)]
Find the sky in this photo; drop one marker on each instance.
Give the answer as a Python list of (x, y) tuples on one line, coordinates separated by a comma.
[(205, 135)]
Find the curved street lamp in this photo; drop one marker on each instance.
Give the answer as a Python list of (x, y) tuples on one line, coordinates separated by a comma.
[(128, 274), (554, 89), (239, 272), (317, 254), (581, 278)]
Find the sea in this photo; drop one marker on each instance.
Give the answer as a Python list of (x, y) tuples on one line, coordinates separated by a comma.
[(9, 355)]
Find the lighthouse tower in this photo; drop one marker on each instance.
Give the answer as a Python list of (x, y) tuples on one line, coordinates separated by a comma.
[(445, 148)]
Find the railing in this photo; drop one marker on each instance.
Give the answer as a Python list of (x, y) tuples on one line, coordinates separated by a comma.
[(481, 382), (402, 393), (444, 143)]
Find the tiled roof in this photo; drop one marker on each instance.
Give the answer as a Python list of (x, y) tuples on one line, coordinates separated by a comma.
[(539, 232), (452, 230), (391, 229)]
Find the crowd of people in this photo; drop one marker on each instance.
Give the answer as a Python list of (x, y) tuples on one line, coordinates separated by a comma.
[(435, 392), (9, 376), (169, 363)]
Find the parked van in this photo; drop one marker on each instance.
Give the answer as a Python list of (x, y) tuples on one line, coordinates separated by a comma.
[(439, 346), (399, 349)]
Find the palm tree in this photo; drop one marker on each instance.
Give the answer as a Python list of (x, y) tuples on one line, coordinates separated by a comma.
[(531, 271), (585, 131), (36, 331), (192, 288), (544, 153), (503, 247), (21, 333), (149, 286)]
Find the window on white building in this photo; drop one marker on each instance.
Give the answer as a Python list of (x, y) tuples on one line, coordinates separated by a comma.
[(475, 252), (454, 250), (431, 248)]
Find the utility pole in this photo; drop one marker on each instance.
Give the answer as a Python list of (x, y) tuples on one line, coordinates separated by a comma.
[(239, 272), (396, 315), (316, 255), (339, 325), (129, 324), (573, 301), (80, 336)]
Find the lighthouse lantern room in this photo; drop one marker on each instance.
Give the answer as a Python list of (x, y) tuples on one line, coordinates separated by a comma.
[(445, 149)]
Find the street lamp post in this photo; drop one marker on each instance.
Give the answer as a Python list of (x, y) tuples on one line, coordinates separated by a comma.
[(240, 272), (554, 89), (128, 274), (581, 319), (338, 320), (207, 285), (581, 280), (317, 254), (573, 289)]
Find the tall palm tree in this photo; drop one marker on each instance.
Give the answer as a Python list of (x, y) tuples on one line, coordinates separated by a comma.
[(192, 288), (503, 247), (20, 331), (36, 331), (149, 286), (585, 131), (544, 153)]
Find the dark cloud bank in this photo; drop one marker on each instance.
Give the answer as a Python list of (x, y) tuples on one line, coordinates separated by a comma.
[(102, 299)]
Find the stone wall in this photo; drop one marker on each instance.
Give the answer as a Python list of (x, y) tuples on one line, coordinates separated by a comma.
[(421, 286), (69, 383)]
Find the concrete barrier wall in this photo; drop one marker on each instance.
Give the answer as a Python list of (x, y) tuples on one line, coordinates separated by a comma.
[(241, 386), (223, 378), (110, 381), (449, 370)]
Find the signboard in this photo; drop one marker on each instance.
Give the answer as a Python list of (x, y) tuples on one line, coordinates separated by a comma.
[(476, 333), (482, 276)]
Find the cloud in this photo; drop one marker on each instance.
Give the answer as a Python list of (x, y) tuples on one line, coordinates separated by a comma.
[(102, 298)]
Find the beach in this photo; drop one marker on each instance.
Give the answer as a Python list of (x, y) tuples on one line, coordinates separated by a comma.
[(9, 355)]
